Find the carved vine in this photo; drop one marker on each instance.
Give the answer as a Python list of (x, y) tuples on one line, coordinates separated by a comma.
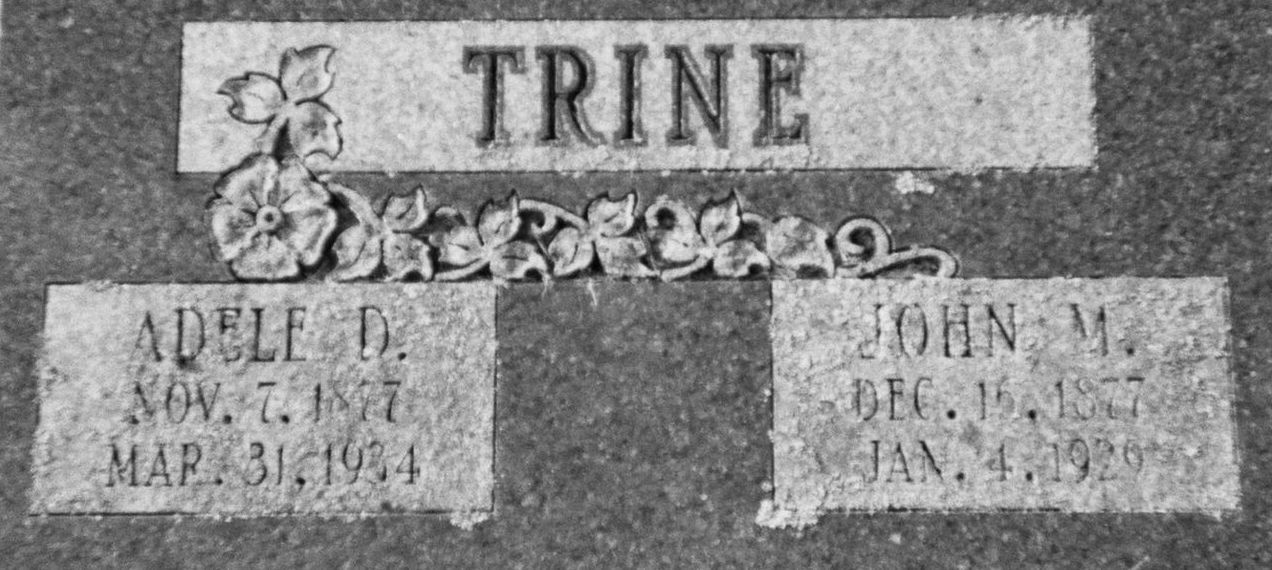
[(274, 219)]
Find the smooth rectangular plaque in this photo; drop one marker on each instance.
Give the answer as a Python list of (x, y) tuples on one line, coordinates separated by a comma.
[(960, 93), (1078, 395), (266, 399)]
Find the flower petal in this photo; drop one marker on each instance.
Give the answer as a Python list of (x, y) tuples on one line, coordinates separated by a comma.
[(268, 259), (233, 229), (307, 232), (298, 190), (313, 129), (257, 97), (249, 185), (304, 73)]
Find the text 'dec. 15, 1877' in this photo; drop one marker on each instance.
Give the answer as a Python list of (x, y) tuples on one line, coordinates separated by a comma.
[(1079, 395)]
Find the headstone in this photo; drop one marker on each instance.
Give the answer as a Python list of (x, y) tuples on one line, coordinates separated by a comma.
[(634, 284)]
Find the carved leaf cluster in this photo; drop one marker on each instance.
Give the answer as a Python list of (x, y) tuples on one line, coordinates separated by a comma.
[(382, 240)]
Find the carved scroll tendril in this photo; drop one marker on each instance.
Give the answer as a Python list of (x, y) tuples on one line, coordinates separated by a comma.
[(865, 250)]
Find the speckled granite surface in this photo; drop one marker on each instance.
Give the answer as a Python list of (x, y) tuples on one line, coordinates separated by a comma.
[(632, 416)]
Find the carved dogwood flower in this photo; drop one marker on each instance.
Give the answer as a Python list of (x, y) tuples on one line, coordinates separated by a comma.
[(678, 240), (289, 104), (271, 219), (491, 244), (573, 249)]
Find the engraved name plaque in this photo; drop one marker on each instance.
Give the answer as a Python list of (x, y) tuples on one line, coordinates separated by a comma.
[(1079, 395), (266, 399), (614, 95)]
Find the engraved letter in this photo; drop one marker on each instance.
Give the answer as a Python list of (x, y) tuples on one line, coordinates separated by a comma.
[(918, 397), (184, 355), (159, 468), (190, 461), (146, 338), (631, 132), (780, 68), (227, 319), (365, 352), (1008, 331), (862, 385), (896, 389), (929, 461), (904, 338), (257, 356), (951, 324), (711, 98), (487, 60), (144, 403), (205, 403), (123, 470), (563, 112), (866, 350), (1100, 344), (295, 323), (899, 460)]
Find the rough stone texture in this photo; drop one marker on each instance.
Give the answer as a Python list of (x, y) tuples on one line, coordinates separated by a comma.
[(144, 410), (931, 93), (943, 395), (89, 111)]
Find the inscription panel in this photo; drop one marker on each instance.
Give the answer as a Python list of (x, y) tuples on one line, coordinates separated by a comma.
[(266, 399), (963, 93), (1077, 395)]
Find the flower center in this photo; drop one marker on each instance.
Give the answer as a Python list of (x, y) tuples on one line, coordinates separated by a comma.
[(269, 218)]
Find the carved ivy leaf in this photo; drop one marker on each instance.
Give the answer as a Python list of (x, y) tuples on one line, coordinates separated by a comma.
[(460, 246), (621, 256), (795, 244), (313, 129), (256, 97), (720, 222), (517, 260), (570, 252), (499, 221), (737, 258), (405, 254), (406, 213), (612, 218), (357, 252), (304, 73), (672, 232)]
